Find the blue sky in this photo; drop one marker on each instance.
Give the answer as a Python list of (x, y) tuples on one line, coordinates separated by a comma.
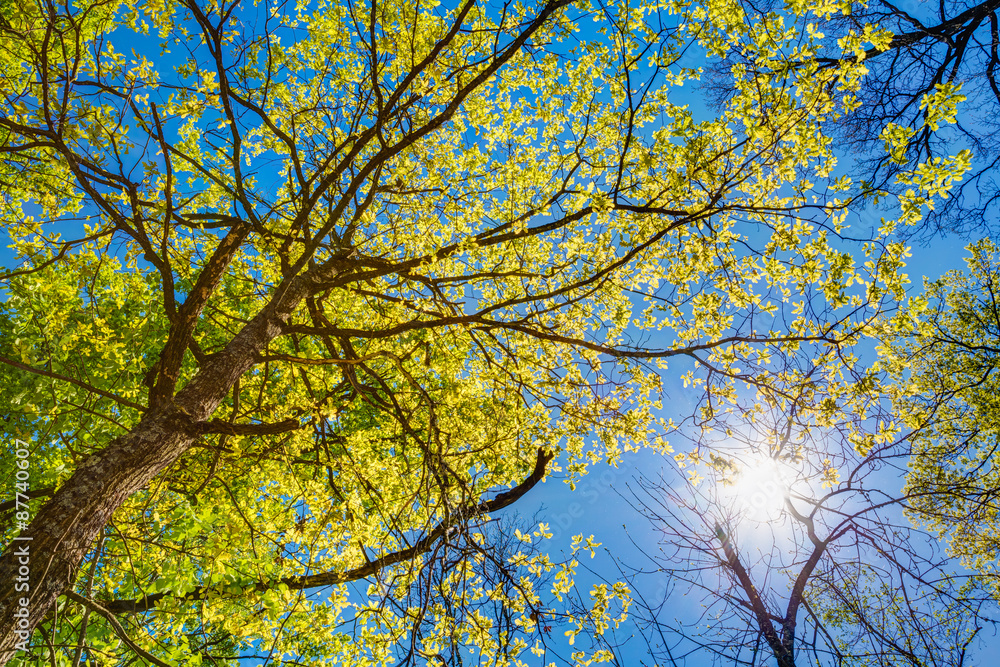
[(600, 506)]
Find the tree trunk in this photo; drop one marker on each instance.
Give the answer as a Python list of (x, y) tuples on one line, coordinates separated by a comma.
[(62, 533)]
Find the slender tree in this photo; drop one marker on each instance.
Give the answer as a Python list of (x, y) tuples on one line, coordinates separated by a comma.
[(788, 523)]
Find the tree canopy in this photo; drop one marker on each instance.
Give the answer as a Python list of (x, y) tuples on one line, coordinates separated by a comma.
[(928, 47), (303, 294), (952, 44), (943, 352)]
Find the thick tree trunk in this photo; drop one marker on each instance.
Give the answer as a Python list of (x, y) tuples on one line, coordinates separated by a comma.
[(60, 536), (785, 660), (63, 531)]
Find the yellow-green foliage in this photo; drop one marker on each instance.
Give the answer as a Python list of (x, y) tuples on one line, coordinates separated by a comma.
[(943, 351), (515, 279)]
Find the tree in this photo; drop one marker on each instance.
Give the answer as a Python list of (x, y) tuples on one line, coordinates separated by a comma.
[(303, 295), (925, 50), (787, 523), (950, 46), (943, 356)]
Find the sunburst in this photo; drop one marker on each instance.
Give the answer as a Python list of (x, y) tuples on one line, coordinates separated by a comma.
[(760, 488)]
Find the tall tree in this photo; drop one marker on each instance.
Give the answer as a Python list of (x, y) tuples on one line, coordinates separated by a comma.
[(944, 355), (303, 294), (786, 520)]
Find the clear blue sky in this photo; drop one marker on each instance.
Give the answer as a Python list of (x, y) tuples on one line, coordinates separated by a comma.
[(598, 506)]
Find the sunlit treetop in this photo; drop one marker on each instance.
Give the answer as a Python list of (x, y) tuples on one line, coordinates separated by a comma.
[(942, 352), (302, 294)]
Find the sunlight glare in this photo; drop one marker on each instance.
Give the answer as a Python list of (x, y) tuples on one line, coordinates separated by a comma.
[(760, 489)]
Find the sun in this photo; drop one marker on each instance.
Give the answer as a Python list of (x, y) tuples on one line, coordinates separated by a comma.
[(760, 489)]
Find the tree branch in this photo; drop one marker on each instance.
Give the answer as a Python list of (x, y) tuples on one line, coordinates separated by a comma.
[(370, 568), (117, 627), (79, 383)]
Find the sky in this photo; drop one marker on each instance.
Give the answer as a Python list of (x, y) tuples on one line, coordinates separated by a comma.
[(602, 504), (605, 502)]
